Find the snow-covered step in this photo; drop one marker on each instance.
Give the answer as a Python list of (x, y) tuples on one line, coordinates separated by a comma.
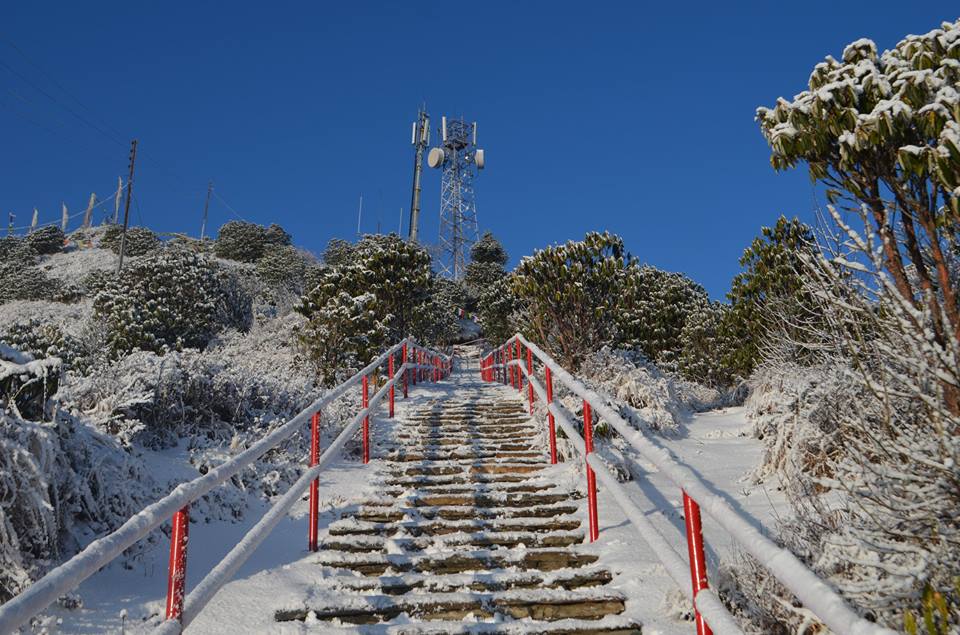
[(473, 581), (472, 468), (609, 625), (537, 604), (462, 454), (456, 477), (470, 488), (348, 526), (458, 512), (457, 562), (479, 539)]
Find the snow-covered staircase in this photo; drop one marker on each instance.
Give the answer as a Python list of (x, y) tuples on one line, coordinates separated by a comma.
[(465, 534)]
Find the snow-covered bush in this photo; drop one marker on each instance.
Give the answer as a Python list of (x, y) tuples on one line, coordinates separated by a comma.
[(497, 308), (642, 393), (26, 383), (29, 283), (247, 242), (60, 483), (283, 268), (139, 242), (338, 252), (46, 240), (166, 300), (17, 251), (487, 261)]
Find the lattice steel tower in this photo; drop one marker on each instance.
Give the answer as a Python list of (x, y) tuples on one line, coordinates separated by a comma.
[(460, 160)]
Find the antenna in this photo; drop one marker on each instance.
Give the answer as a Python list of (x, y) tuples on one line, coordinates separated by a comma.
[(460, 160), (420, 140)]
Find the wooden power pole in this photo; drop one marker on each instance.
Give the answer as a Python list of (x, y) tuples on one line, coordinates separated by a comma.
[(126, 205)]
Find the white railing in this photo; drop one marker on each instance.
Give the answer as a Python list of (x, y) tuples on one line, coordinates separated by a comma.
[(425, 365), (507, 364)]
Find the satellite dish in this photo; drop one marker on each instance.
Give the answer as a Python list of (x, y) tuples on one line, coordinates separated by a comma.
[(435, 157), (478, 157)]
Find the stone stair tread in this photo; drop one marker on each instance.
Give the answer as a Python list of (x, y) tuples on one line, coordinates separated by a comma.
[(474, 539), (543, 604), (457, 561), (347, 526)]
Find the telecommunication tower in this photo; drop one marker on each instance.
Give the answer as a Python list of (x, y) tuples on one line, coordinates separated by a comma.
[(420, 139), (460, 159)]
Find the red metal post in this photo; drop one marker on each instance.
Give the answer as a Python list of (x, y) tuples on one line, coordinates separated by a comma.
[(591, 476), (366, 420), (503, 368), (390, 374), (406, 372), (530, 375), (519, 372), (177, 577), (315, 483), (415, 355), (553, 425), (698, 563)]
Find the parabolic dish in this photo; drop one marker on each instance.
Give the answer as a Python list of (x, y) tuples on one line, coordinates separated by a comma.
[(435, 157), (478, 157)]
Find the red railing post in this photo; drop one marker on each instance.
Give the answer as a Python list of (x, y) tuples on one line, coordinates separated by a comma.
[(415, 356), (390, 374), (529, 376), (503, 367), (553, 425), (519, 372), (698, 563), (591, 476), (315, 483), (177, 576), (406, 371), (366, 420)]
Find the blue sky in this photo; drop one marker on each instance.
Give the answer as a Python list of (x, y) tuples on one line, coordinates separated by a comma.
[(631, 117)]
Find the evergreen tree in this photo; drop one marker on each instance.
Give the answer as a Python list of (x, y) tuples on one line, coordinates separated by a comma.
[(487, 260), (767, 296), (705, 346)]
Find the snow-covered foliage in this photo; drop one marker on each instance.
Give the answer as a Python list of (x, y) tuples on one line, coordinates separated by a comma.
[(380, 295), (139, 242), (496, 307), (164, 301), (46, 240), (283, 268), (880, 428), (642, 393), (247, 242), (705, 346), (655, 306)]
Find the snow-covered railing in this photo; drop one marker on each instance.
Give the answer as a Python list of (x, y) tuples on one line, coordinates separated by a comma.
[(416, 364), (513, 361)]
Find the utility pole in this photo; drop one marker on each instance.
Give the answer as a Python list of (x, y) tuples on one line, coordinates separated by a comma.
[(33, 223), (126, 206), (420, 141), (206, 207), (64, 218), (10, 220)]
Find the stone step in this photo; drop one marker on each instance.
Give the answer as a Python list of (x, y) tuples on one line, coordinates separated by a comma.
[(461, 454), (354, 526), (470, 488), (457, 562), (477, 540), (541, 604), (471, 468), (456, 478), (494, 581), (393, 514)]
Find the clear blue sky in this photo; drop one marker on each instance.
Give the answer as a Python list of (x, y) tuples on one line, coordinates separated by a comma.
[(631, 117)]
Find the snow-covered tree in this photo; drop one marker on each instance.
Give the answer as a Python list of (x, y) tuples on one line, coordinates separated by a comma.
[(570, 294), (882, 133), (767, 297), (283, 268), (497, 306), (654, 307), (247, 242), (338, 252), (487, 260), (374, 298), (705, 346), (139, 241)]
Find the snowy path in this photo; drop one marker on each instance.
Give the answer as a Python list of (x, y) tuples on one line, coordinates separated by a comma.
[(283, 573)]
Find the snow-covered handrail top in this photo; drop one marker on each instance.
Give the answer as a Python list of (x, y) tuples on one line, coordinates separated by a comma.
[(818, 596), (102, 551)]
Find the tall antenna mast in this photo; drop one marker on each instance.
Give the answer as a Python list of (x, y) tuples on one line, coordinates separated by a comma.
[(460, 159), (206, 208), (359, 215), (420, 138)]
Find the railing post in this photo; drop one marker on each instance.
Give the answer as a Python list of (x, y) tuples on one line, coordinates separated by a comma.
[(406, 371), (698, 563), (591, 476), (390, 374), (315, 483), (415, 355), (529, 376), (366, 419), (553, 425), (177, 575), (519, 372), (503, 367)]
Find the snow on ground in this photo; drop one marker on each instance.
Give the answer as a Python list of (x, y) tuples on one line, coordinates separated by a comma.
[(716, 444)]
